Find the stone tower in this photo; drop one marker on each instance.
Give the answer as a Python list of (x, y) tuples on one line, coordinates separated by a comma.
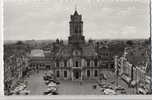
[(76, 29)]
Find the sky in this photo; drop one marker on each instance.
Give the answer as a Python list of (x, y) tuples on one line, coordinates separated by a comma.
[(49, 19)]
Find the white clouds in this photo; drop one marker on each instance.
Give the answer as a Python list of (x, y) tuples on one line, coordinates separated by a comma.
[(49, 19)]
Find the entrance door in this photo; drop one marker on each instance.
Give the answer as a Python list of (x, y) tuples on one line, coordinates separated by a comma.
[(77, 74)]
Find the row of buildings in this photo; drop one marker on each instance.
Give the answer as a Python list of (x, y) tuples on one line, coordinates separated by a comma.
[(16, 64), (134, 75)]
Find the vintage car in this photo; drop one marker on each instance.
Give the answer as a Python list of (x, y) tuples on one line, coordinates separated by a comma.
[(109, 92)]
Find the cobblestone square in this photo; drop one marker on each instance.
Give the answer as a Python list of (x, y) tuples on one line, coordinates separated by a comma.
[(37, 86)]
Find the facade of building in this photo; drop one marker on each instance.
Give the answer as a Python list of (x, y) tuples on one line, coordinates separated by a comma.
[(16, 64), (78, 60), (133, 75)]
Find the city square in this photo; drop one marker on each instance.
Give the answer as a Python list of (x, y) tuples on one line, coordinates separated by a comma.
[(36, 85), (78, 63)]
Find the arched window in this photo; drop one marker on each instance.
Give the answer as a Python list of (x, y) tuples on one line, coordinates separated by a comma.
[(88, 73)]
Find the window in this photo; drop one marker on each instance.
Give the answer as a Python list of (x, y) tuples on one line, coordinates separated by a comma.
[(95, 63), (57, 74), (57, 64), (65, 64), (65, 74), (92, 63), (76, 63), (95, 73), (88, 73), (88, 63), (61, 64)]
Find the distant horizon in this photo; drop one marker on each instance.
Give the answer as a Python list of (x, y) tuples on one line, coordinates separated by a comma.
[(85, 39)]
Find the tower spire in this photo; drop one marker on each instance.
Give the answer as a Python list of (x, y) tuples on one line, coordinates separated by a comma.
[(75, 12), (75, 7)]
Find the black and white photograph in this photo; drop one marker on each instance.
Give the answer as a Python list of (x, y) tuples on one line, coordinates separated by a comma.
[(77, 47)]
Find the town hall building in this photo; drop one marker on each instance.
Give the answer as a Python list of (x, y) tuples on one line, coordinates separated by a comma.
[(78, 60)]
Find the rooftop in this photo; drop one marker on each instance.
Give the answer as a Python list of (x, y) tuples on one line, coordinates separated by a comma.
[(37, 53)]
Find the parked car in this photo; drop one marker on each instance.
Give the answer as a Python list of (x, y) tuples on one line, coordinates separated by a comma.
[(109, 92), (20, 90), (119, 88), (142, 90), (25, 92), (51, 91)]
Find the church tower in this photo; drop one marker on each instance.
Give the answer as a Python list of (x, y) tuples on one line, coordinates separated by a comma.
[(76, 29)]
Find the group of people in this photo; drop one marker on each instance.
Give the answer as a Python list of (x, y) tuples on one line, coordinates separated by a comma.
[(51, 83)]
